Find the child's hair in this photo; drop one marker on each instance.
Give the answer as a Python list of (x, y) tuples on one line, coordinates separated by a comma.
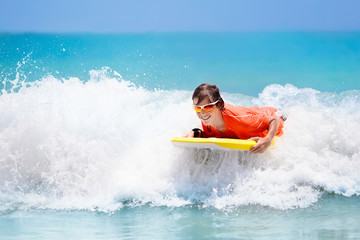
[(209, 91)]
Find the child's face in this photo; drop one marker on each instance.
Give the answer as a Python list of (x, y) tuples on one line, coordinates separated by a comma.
[(207, 117)]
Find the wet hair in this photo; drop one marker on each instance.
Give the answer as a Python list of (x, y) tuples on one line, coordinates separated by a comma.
[(211, 92)]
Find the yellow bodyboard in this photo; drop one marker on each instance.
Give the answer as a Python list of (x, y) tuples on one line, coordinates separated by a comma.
[(214, 143)]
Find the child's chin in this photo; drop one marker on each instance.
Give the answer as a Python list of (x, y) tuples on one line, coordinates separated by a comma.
[(206, 122)]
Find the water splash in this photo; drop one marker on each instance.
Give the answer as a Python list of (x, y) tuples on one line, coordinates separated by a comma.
[(105, 143)]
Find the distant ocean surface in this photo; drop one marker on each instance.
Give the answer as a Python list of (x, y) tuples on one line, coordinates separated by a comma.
[(86, 122)]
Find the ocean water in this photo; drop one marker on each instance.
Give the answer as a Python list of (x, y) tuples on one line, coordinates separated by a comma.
[(86, 122)]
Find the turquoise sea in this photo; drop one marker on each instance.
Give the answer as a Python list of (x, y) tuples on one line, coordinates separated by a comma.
[(86, 122)]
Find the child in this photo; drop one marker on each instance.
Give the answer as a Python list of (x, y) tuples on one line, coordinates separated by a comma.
[(226, 121)]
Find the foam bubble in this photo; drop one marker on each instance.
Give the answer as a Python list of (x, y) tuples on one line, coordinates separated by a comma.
[(105, 143)]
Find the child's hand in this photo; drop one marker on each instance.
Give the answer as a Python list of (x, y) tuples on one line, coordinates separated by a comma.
[(261, 144), (189, 134)]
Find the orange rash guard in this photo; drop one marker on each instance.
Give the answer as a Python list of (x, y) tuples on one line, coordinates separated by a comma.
[(244, 122)]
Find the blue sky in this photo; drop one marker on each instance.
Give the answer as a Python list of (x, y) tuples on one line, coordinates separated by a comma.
[(111, 16)]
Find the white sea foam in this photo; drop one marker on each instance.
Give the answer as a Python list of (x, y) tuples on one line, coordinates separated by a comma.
[(103, 144)]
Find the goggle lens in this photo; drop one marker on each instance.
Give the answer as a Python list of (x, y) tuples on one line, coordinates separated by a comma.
[(197, 108)]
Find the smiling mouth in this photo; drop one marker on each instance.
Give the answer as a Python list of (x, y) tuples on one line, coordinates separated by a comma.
[(205, 118)]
